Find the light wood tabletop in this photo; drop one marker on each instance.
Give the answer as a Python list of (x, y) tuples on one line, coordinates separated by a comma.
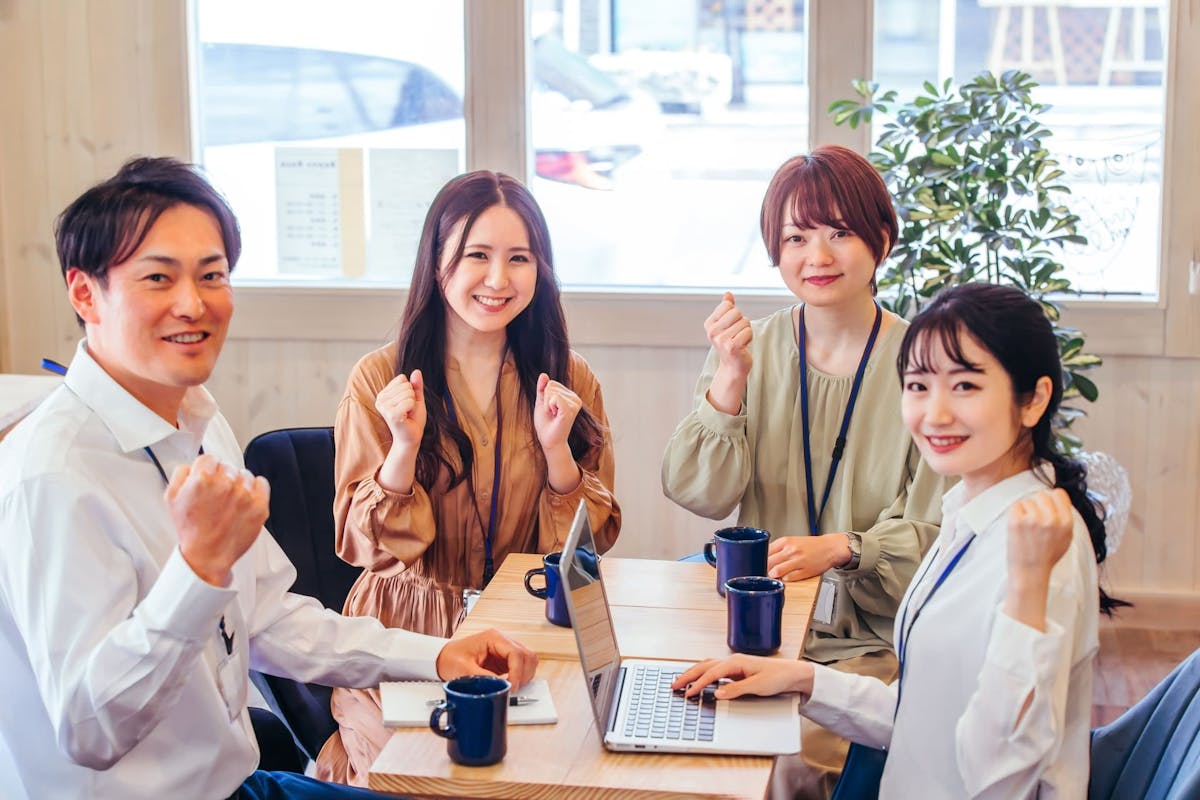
[(565, 760), (662, 609)]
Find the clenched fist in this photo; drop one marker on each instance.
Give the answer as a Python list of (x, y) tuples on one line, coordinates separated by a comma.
[(554, 412), (218, 512), (730, 334), (1039, 532), (402, 405)]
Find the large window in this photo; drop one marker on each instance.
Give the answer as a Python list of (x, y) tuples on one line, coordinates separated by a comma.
[(1101, 68), (653, 127), (712, 99), (329, 128)]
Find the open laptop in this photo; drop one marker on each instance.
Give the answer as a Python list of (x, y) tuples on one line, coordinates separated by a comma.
[(632, 698)]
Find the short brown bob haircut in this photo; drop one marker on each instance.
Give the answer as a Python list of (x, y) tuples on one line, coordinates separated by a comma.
[(834, 186)]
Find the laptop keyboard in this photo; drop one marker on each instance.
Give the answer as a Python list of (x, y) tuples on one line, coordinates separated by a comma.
[(656, 712)]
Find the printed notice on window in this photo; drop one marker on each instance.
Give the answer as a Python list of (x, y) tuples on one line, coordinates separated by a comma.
[(308, 206), (401, 187)]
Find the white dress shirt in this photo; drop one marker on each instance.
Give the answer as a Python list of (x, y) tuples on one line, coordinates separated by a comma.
[(115, 681), (968, 669)]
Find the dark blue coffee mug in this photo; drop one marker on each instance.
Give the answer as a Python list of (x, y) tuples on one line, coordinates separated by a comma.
[(552, 592), (755, 607), (476, 710), (736, 552)]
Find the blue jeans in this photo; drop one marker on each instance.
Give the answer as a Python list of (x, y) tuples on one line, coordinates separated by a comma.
[(290, 786)]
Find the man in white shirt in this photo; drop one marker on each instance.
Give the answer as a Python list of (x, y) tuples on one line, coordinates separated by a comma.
[(137, 587)]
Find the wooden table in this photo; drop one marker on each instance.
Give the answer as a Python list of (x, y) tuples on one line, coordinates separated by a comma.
[(662, 609)]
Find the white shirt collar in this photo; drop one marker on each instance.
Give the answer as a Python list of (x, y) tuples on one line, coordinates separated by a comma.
[(132, 423), (978, 514)]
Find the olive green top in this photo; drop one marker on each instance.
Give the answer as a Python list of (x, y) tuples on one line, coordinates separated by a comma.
[(883, 490)]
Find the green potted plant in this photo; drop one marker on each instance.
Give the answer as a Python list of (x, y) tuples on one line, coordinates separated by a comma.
[(980, 198)]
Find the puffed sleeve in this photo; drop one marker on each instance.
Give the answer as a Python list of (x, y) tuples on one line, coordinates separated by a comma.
[(374, 528), (706, 466), (556, 511), (894, 546)]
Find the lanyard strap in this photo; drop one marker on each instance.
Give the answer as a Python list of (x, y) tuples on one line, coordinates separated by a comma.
[(814, 513), (226, 636), (489, 568), (905, 632), (158, 464)]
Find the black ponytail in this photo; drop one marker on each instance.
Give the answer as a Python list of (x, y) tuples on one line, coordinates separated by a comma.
[(1013, 328)]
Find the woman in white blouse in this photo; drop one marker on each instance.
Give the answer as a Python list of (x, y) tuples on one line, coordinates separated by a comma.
[(997, 633)]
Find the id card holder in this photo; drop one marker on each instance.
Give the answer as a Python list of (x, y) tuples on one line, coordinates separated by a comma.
[(470, 597), (233, 681), (828, 600)]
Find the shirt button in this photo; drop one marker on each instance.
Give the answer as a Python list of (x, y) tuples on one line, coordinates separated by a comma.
[(484, 442), (486, 495)]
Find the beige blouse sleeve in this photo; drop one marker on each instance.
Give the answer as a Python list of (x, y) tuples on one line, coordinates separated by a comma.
[(374, 528), (707, 465), (556, 511)]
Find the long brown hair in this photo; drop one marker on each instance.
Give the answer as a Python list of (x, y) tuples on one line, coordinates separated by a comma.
[(537, 337)]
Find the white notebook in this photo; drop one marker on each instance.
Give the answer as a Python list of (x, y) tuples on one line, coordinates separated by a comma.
[(406, 704)]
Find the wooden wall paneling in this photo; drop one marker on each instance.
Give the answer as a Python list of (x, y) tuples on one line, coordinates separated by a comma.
[(267, 384), (1170, 541), (647, 391), (1124, 396), (27, 256), (1181, 193)]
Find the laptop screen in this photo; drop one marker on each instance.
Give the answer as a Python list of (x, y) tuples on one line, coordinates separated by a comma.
[(591, 618)]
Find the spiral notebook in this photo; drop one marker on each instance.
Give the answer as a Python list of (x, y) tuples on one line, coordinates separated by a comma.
[(408, 704)]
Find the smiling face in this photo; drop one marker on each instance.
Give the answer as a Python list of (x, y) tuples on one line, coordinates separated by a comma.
[(965, 417), (825, 265), (159, 322), (494, 281)]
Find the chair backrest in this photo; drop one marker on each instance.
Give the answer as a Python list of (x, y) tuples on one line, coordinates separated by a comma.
[(1152, 751), (298, 463)]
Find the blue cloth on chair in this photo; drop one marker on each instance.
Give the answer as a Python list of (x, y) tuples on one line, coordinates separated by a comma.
[(1152, 751), (289, 786)]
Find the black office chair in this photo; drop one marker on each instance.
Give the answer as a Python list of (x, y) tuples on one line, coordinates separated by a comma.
[(298, 463), (1152, 751)]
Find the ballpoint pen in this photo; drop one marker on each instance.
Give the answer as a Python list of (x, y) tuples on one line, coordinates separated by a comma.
[(515, 700)]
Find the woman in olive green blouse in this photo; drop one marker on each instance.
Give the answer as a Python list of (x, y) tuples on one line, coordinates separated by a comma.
[(862, 520)]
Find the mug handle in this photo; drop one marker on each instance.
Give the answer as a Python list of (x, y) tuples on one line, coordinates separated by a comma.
[(710, 552), (529, 576), (435, 719)]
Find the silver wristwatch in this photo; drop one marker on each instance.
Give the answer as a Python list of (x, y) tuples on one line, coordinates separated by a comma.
[(855, 552)]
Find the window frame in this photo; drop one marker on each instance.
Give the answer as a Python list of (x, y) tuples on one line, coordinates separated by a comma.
[(497, 125)]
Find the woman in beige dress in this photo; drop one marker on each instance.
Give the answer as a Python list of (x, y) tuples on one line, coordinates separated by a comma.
[(476, 434)]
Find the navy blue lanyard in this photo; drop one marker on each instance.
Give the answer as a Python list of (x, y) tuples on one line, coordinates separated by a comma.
[(489, 567), (814, 513), (905, 632), (226, 637), (50, 365)]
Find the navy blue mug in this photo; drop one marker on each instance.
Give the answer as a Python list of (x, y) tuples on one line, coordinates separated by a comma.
[(755, 606), (736, 552), (552, 592), (476, 711)]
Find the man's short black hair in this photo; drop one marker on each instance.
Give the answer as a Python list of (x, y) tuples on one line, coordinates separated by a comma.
[(108, 222)]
